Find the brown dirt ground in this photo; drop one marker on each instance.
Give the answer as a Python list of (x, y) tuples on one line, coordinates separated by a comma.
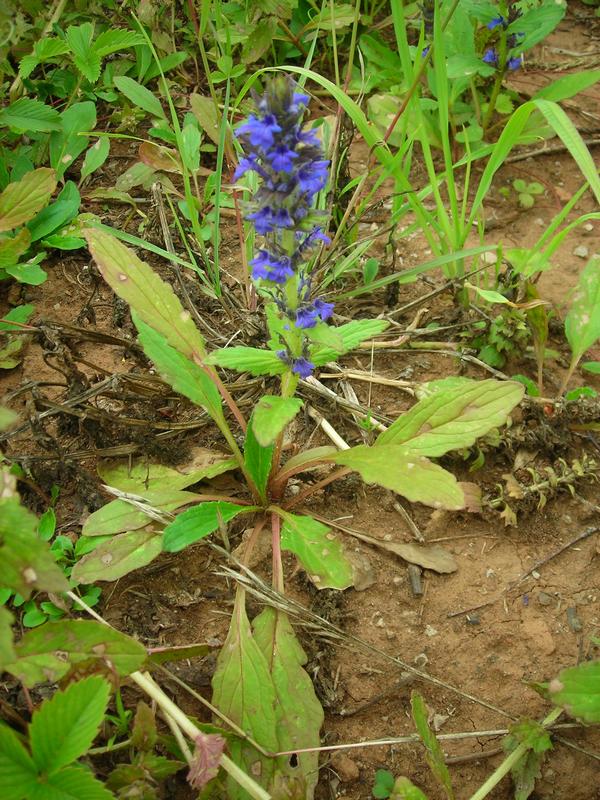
[(521, 635)]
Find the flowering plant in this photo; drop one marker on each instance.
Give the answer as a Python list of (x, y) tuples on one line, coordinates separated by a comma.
[(259, 682)]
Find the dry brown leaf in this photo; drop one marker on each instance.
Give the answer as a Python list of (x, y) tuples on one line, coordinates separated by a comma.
[(431, 557)]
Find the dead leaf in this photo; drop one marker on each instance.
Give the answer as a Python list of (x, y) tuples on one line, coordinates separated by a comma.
[(431, 557), (207, 756)]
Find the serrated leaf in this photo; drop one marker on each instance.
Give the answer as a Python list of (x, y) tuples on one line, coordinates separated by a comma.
[(318, 550), (143, 476), (63, 210), (351, 335), (271, 415), (27, 114), (154, 300), (139, 95), (248, 359), (65, 726), (582, 325), (525, 773), (95, 156), (298, 713), (48, 653), (434, 752), (119, 556), (114, 39), (67, 144), (71, 783), (577, 690), (21, 200), (27, 562), (183, 374), (87, 60), (199, 521), (243, 691), (258, 460), (11, 249), (453, 419), (18, 775), (411, 475), (119, 515), (43, 50)]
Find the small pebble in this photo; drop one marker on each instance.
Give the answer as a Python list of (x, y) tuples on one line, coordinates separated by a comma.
[(573, 620), (430, 631), (345, 767), (544, 599), (489, 257), (535, 575), (581, 251), (588, 227), (539, 221), (473, 619)]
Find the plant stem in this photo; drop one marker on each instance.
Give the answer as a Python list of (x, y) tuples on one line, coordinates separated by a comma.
[(334, 476), (569, 375), (276, 545), (510, 761)]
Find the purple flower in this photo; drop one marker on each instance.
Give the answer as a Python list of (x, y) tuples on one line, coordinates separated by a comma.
[(271, 268), (282, 158), (490, 56), (499, 20), (306, 317), (302, 367), (514, 63), (425, 50), (324, 310), (313, 177), (259, 132), (267, 219)]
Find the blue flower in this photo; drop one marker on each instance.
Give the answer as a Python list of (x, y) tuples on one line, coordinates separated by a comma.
[(302, 367), (490, 56), (271, 268), (312, 177), (282, 158), (306, 317), (260, 132), (514, 63), (499, 20), (425, 50), (267, 219), (324, 310)]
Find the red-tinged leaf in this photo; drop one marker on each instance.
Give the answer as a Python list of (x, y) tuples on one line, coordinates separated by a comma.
[(159, 157), (207, 756)]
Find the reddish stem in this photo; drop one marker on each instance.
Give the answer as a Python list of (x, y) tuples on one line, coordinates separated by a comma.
[(276, 546)]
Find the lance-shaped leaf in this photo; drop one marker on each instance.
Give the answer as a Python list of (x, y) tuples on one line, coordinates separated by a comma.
[(271, 415), (118, 556), (18, 773), (350, 336), (154, 300), (434, 752), (248, 359), (143, 477), (48, 653), (258, 460), (298, 713), (185, 376), (577, 689), (582, 325), (318, 549), (449, 420), (196, 523), (119, 515), (64, 727), (413, 476), (26, 560), (21, 200), (243, 691), (68, 143)]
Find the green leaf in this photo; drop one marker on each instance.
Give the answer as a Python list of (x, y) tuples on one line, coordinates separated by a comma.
[(351, 335), (21, 200), (582, 325), (434, 752), (569, 85), (65, 726), (453, 419), (298, 713), (18, 314), (95, 156), (184, 375), (271, 415), (143, 476), (404, 789), (7, 651), (154, 300), (577, 690), (30, 115), (207, 114), (119, 515), (196, 523), (383, 785), (537, 23), (48, 653), (119, 556), (407, 473), (191, 139), (18, 775), (29, 272), (87, 60), (243, 691), (248, 359), (525, 773), (139, 95), (66, 145), (59, 213), (258, 460), (7, 419), (71, 783), (27, 562), (591, 366), (114, 39), (318, 550), (43, 50), (533, 735), (12, 248)]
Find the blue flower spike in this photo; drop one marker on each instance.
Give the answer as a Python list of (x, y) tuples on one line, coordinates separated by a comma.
[(290, 164)]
